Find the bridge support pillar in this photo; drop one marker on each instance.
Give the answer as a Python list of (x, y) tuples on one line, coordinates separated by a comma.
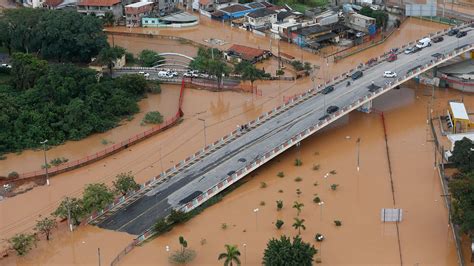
[(366, 108)]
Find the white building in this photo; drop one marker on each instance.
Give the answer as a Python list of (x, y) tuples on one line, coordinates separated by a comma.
[(261, 18)]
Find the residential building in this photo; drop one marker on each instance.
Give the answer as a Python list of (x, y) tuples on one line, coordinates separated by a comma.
[(245, 53), (100, 7), (231, 12), (213, 5), (261, 18), (177, 20), (307, 35), (282, 30), (165, 7), (134, 13), (286, 16), (359, 22)]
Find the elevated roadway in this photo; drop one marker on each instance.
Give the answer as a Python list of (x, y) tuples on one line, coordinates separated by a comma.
[(208, 172)]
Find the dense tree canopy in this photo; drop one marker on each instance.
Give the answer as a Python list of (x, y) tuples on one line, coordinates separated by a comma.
[(381, 17), (283, 252), (61, 102), (52, 34), (149, 58), (463, 155), (211, 61)]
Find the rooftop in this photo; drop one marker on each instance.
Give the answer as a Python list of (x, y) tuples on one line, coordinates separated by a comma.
[(183, 17), (205, 2), (312, 30), (139, 4), (245, 52), (259, 13), (53, 3), (459, 110), (255, 5), (98, 2), (234, 8)]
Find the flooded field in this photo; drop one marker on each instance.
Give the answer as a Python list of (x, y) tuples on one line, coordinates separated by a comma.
[(356, 202)]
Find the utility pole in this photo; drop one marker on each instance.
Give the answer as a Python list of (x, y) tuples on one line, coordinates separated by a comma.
[(205, 137), (358, 154), (98, 253), (45, 160), (68, 206)]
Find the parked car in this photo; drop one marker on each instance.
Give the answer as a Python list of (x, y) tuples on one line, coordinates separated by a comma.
[(409, 50), (6, 65), (163, 74), (357, 75), (392, 57), (461, 34), (141, 72), (332, 109), (146, 75), (425, 42), (389, 74), (323, 117), (437, 39), (453, 32), (416, 49), (327, 90)]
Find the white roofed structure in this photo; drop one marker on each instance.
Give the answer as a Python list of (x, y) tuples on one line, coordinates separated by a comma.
[(458, 111)]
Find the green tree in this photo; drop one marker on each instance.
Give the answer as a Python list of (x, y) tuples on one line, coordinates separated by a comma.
[(297, 65), (45, 226), (26, 70), (381, 17), (153, 117), (298, 206), (211, 61), (219, 69), (463, 155), (109, 55), (462, 192), (124, 183), (161, 226), (75, 207), (96, 197), (279, 224), (250, 72), (177, 217), (108, 19), (298, 225), (283, 252), (279, 204), (231, 255), (149, 58), (22, 243)]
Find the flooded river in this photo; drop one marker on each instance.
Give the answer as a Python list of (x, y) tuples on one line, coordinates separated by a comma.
[(356, 202)]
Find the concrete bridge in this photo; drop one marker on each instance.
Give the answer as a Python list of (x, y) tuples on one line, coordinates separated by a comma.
[(222, 163)]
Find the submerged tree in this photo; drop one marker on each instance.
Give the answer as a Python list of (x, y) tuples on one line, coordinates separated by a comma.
[(283, 252), (231, 255)]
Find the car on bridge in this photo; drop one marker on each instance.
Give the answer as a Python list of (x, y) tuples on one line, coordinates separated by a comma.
[(327, 90), (409, 50), (453, 32), (324, 117), (425, 42), (357, 75), (437, 39), (392, 57), (389, 74), (461, 34), (332, 109)]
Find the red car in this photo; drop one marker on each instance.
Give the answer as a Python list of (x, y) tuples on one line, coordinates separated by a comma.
[(392, 57)]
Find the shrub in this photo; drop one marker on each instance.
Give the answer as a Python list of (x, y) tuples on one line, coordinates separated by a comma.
[(279, 205), (262, 203), (280, 191), (161, 226), (281, 174), (317, 200), (315, 184), (153, 87), (177, 217), (333, 172), (223, 226), (298, 179), (181, 257), (337, 222), (22, 243), (263, 185), (298, 192), (58, 161), (13, 175), (316, 167), (298, 162), (153, 117), (334, 186), (279, 224), (280, 72)]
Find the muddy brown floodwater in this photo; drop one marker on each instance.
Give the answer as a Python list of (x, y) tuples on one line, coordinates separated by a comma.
[(357, 201)]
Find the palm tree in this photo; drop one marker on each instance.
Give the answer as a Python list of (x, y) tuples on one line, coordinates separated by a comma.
[(298, 206), (109, 19), (298, 224), (250, 72), (232, 254)]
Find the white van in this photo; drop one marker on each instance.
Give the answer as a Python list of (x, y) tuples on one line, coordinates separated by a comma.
[(423, 43), (163, 74)]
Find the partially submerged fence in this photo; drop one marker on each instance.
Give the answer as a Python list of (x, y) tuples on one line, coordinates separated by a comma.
[(68, 166)]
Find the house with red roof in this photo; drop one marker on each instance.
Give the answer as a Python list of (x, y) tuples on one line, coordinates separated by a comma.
[(100, 7), (241, 52)]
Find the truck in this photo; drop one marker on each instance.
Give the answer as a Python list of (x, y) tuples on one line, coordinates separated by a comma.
[(425, 42)]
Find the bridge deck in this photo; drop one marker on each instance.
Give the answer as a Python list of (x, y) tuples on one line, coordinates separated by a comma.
[(204, 174)]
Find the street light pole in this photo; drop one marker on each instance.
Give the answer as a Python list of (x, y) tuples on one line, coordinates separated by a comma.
[(205, 137), (245, 253), (321, 204), (45, 160), (358, 154), (256, 221)]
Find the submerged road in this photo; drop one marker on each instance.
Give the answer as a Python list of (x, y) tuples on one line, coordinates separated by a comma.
[(186, 185)]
